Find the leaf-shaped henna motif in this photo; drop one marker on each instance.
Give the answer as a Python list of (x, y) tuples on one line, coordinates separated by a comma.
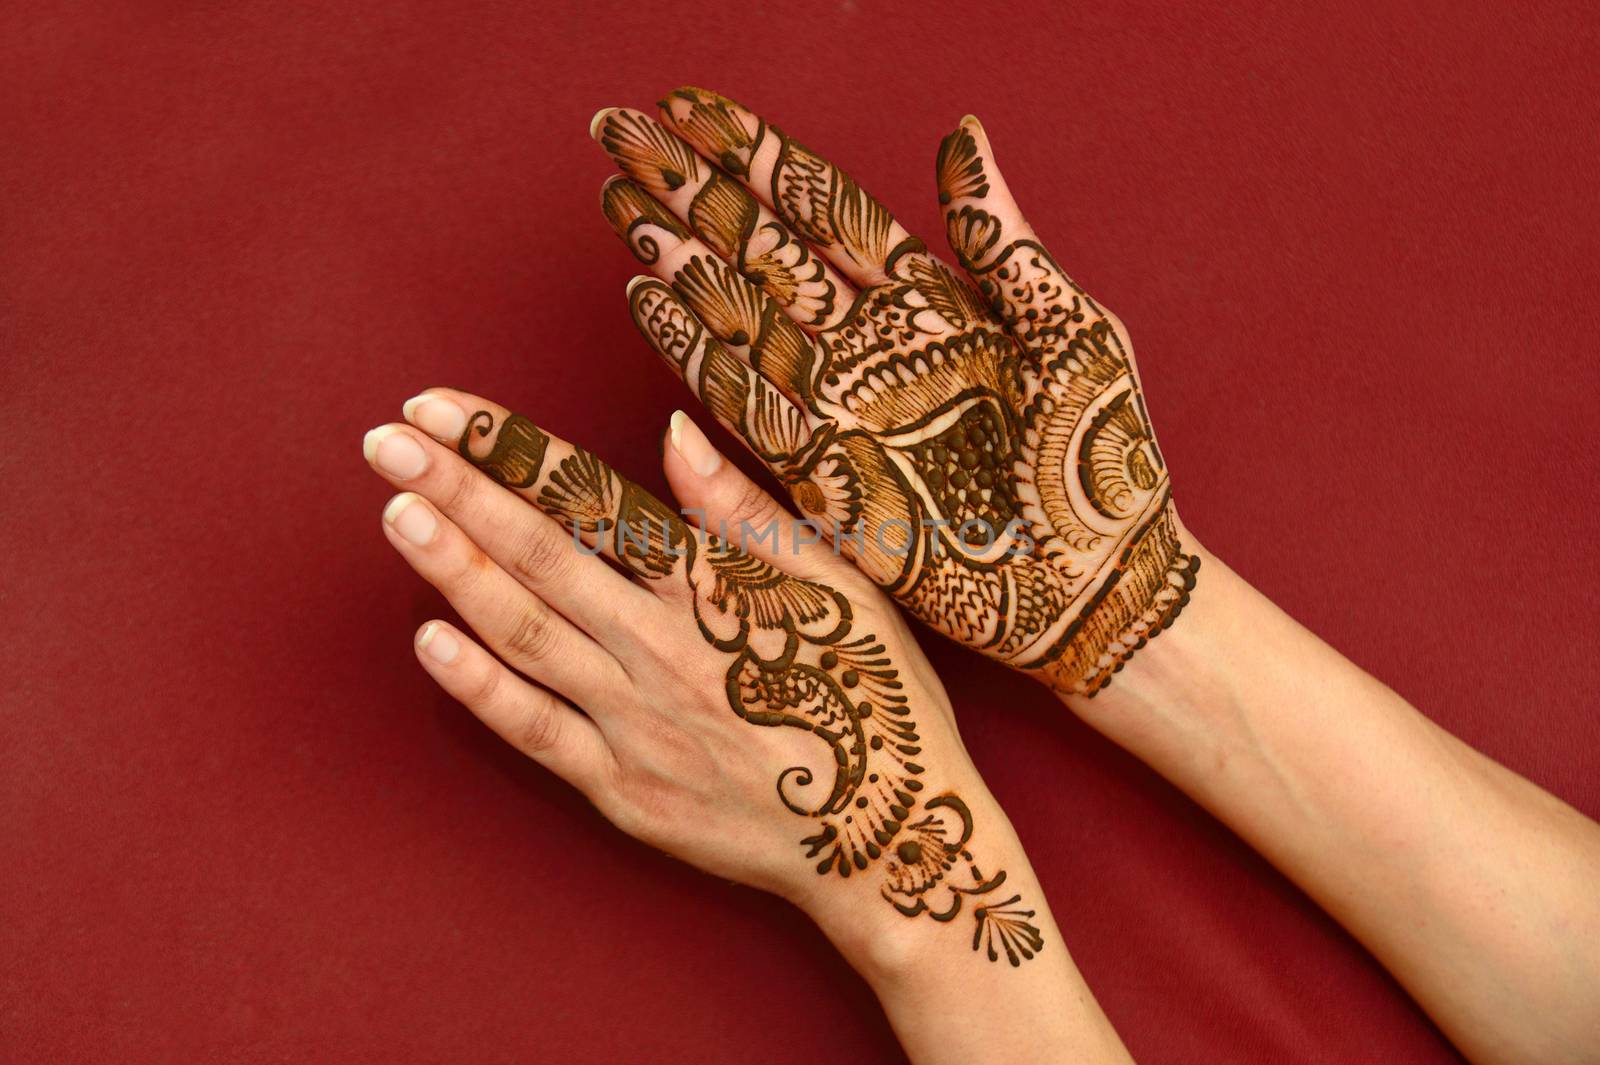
[(647, 153), (972, 232), (959, 169)]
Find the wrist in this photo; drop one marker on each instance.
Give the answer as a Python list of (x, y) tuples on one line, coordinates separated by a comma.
[(1180, 691), (897, 927), (1137, 594), (886, 949)]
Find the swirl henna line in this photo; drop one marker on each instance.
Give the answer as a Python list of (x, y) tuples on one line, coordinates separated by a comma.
[(824, 679)]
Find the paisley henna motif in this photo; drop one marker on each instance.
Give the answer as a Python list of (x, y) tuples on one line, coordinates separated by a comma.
[(796, 660)]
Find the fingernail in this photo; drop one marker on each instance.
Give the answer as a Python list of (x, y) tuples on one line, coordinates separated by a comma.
[(413, 519), (394, 452), (438, 644), (594, 123), (974, 120), (690, 443), (440, 418)]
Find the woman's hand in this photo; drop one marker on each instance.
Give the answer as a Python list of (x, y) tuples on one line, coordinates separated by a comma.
[(984, 455), (762, 713), (763, 716)]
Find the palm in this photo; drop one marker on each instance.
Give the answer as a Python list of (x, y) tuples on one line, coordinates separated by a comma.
[(983, 454)]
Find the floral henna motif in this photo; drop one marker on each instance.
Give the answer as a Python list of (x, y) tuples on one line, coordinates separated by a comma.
[(983, 454), (796, 661)]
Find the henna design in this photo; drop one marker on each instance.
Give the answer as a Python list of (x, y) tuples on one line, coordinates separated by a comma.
[(648, 154), (1010, 925), (518, 452), (984, 454), (631, 211), (815, 199), (960, 169), (796, 662), (722, 212)]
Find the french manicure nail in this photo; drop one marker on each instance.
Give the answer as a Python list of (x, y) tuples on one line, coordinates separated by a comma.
[(594, 123), (689, 442), (439, 644), (413, 519), (394, 452), (440, 418)]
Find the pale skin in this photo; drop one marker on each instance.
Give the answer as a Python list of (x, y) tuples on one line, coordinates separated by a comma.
[(1473, 886), (657, 748)]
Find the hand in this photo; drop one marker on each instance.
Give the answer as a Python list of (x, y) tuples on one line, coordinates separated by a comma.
[(983, 455), (764, 715)]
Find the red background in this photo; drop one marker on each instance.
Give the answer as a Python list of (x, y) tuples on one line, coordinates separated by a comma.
[(1356, 247)]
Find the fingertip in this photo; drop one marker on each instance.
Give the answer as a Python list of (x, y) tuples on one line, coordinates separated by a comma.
[(673, 425), (692, 445), (371, 440), (636, 281), (594, 123), (682, 92), (412, 519), (437, 414), (437, 643), (392, 509)]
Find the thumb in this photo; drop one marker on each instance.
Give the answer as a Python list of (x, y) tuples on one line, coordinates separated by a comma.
[(717, 496)]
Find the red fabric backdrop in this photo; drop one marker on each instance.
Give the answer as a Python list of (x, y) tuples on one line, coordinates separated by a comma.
[(1356, 247)]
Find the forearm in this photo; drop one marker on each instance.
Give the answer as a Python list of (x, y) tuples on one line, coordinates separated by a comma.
[(949, 1003), (1473, 886)]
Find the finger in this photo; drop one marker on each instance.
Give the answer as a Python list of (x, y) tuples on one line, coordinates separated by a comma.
[(742, 230), (748, 322), (742, 400), (520, 628), (540, 554), (994, 243), (817, 200), (725, 502), (875, 530), (603, 511), (529, 718)]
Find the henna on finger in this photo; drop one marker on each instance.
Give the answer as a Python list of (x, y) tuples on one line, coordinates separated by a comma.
[(742, 399), (821, 203), (737, 227)]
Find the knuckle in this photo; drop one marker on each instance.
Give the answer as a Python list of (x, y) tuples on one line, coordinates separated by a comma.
[(754, 506), (541, 727), (541, 555), (470, 566), (534, 637), (484, 688), (456, 494)]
